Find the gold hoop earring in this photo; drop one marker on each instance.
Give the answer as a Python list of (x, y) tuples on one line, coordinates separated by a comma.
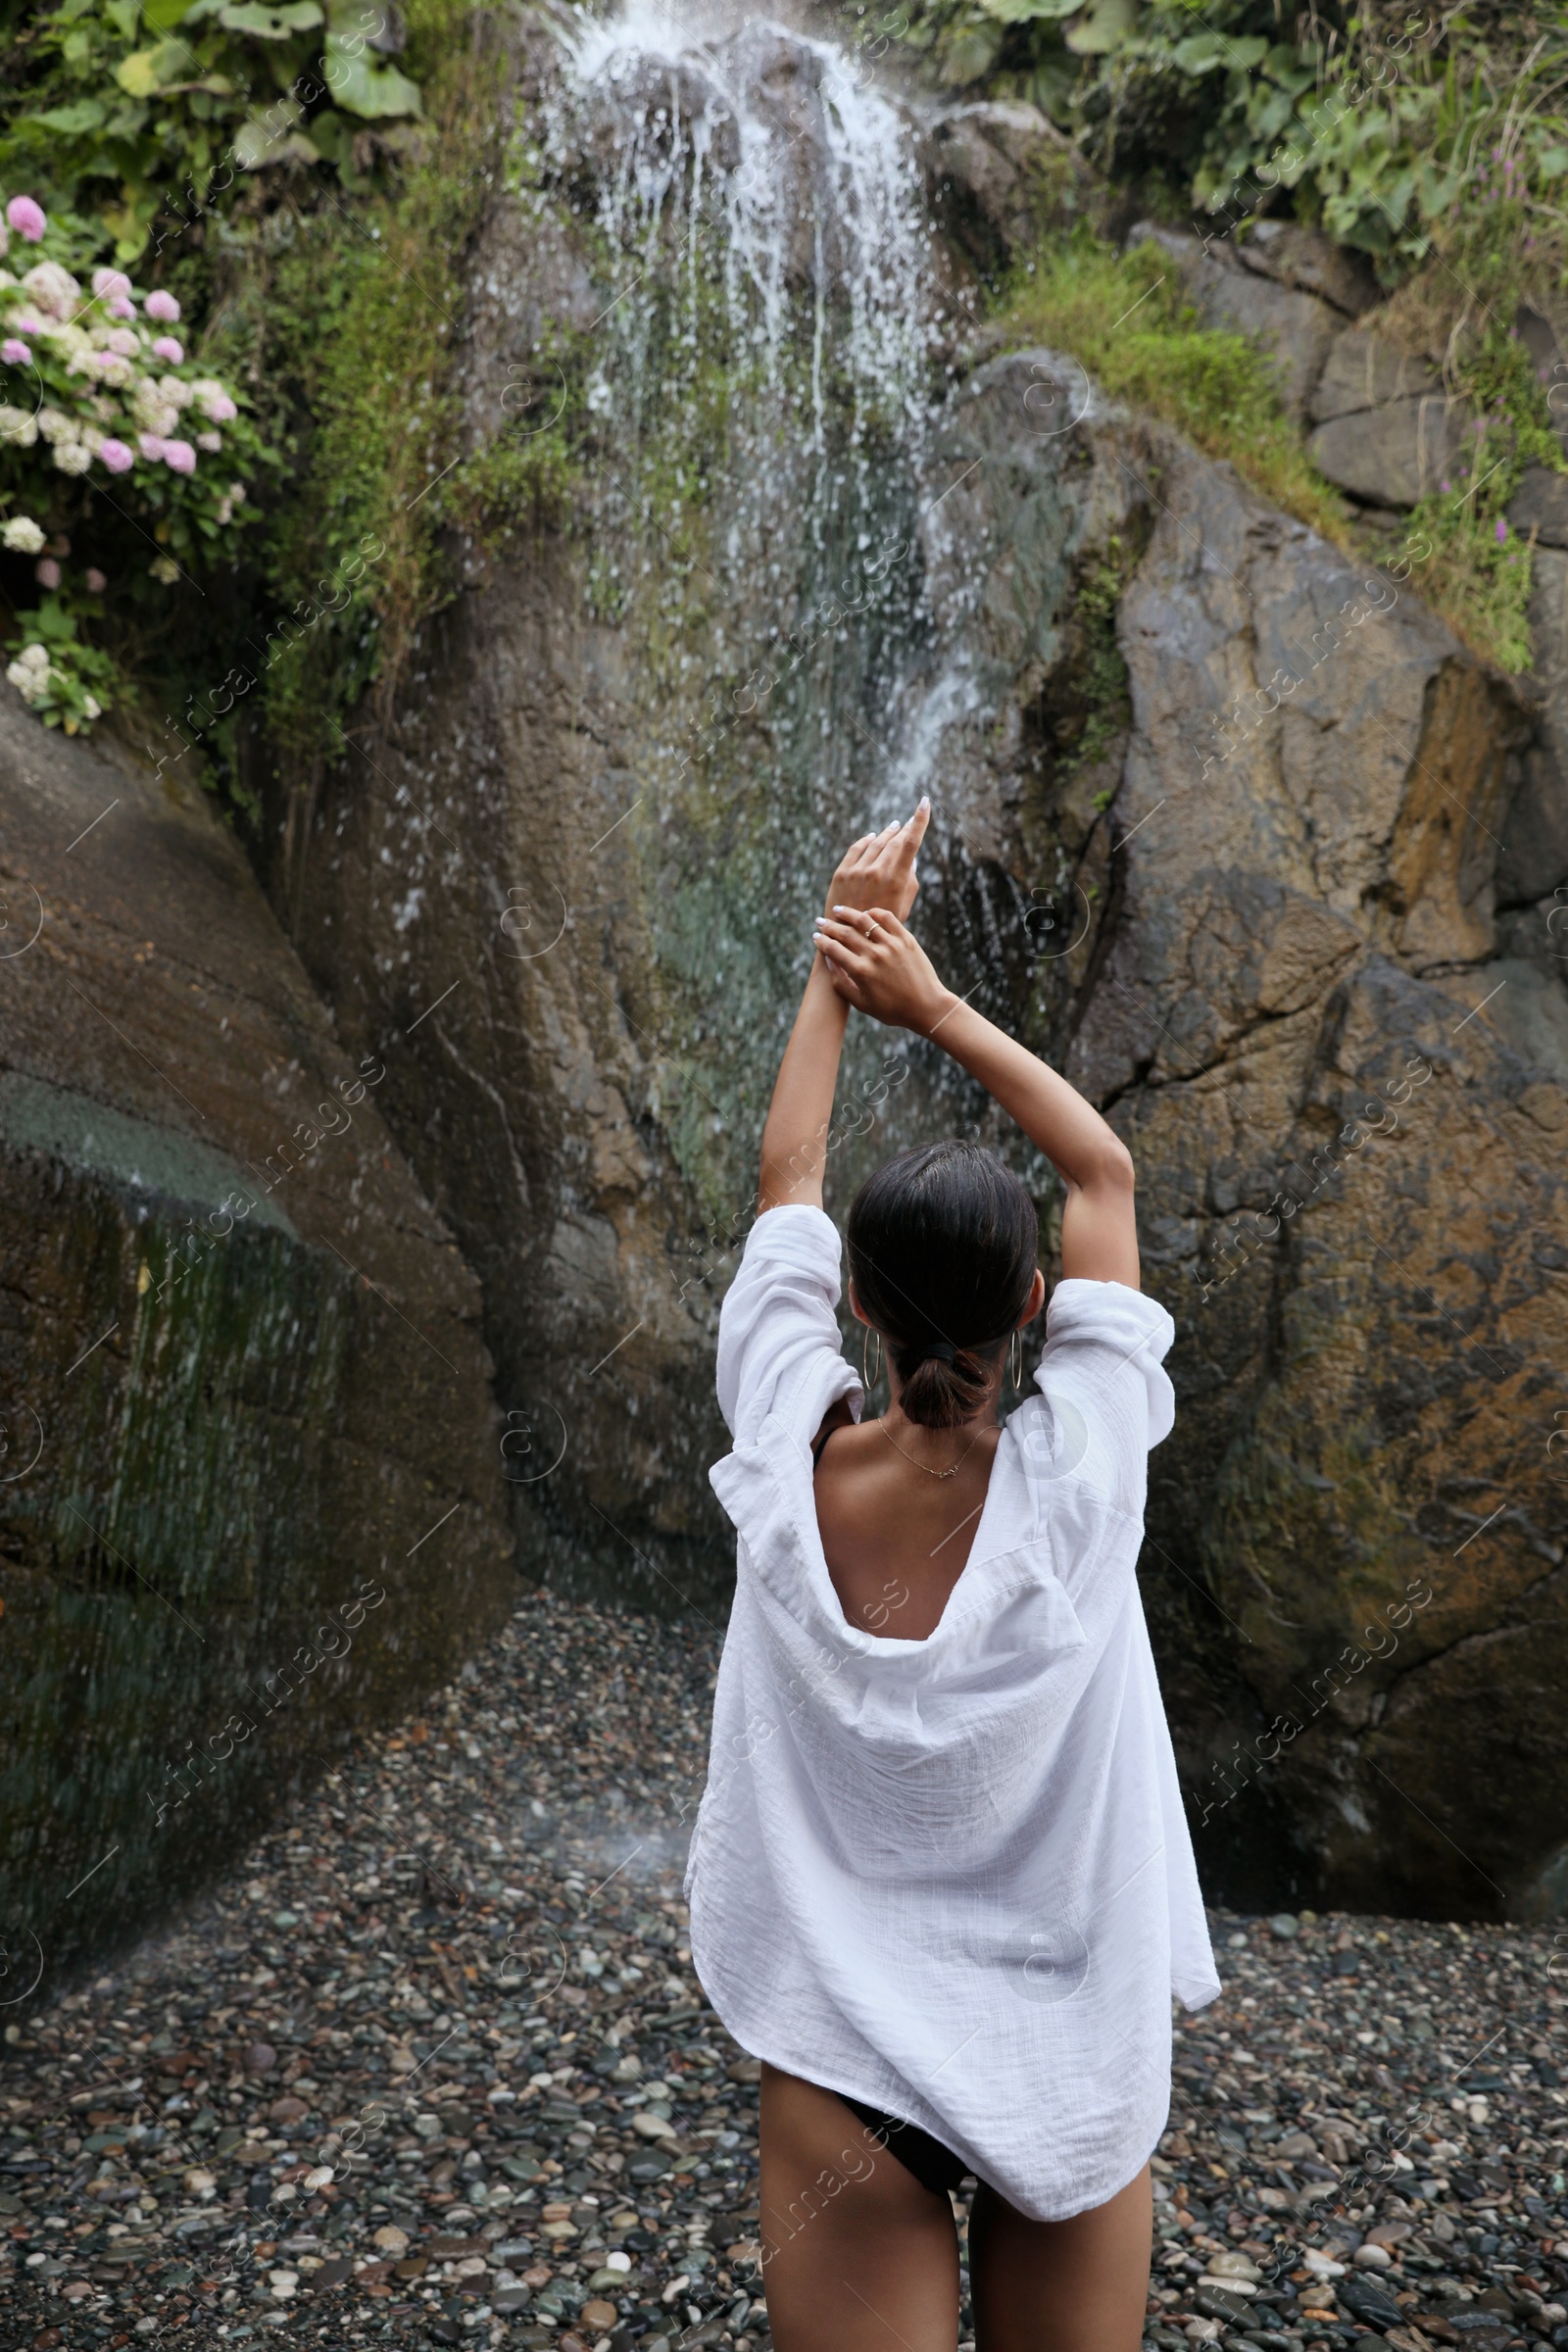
[(1016, 1359), (870, 1378)]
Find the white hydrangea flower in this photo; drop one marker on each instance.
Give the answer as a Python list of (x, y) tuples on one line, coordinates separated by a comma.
[(177, 391), (92, 707), (212, 399), (210, 441), (29, 674), (114, 369), (7, 276), (92, 439), (17, 428), (164, 568), (73, 456), (53, 290), (152, 411), (23, 535), (74, 341)]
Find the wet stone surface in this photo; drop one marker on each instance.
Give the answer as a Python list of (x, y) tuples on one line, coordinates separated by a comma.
[(430, 2066)]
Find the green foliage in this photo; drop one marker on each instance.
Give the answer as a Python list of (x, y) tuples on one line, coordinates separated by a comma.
[(348, 323), (1401, 132), (1101, 673), (1458, 547), (68, 683), (1124, 317), (140, 118)]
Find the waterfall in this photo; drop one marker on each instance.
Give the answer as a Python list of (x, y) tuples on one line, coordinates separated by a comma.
[(771, 368), (780, 148)]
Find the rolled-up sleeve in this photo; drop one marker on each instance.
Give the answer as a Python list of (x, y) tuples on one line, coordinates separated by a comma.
[(779, 1350)]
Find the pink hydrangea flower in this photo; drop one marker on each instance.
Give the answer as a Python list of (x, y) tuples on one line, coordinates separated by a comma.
[(179, 457), (152, 446), (122, 307), (46, 571), (163, 307), (26, 218), (109, 283), (123, 342), (116, 457), (15, 352), (169, 348), (96, 582)]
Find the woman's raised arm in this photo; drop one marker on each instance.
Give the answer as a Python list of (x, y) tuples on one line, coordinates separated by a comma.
[(878, 965), (876, 870)]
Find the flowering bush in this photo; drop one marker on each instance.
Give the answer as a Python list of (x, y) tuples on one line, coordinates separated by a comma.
[(104, 420)]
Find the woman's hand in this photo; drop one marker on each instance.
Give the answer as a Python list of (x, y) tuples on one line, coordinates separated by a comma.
[(881, 968), (879, 869)]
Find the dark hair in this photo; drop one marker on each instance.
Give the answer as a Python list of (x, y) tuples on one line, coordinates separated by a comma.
[(943, 1241)]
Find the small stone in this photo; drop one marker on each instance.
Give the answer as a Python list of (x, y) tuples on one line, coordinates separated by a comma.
[(261, 2058), (1285, 1924), (599, 2314), (288, 2110), (650, 2126)]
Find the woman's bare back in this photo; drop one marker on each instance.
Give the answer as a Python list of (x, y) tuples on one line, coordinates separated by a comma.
[(896, 1537)]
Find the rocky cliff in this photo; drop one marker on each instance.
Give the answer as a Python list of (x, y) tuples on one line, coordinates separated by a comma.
[(249, 1488), (1236, 831)]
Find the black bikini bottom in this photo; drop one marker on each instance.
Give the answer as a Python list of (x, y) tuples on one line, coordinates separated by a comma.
[(935, 2167)]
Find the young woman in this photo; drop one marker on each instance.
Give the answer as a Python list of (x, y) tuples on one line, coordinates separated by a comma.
[(941, 1882)]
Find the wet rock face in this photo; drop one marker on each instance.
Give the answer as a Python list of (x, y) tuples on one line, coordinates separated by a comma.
[(242, 1374), (1244, 842)]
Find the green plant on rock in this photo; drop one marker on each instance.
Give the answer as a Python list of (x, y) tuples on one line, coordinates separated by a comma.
[(1402, 132), (139, 116), (1124, 317), (348, 321), (66, 681)]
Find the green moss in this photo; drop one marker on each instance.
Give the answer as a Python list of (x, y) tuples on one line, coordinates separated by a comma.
[(1102, 673), (1126, 319)]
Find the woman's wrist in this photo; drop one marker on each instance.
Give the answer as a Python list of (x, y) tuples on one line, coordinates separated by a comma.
[(931, 1017)]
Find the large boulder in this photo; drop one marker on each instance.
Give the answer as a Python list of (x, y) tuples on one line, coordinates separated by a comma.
[(1363, 369), (1394, 455), (999, 174), (1298, 256), (252, 1492)]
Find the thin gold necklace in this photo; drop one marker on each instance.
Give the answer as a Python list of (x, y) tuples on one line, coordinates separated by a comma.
[(953, 1468)]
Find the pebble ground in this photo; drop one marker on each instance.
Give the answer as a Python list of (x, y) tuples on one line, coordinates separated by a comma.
[(430, 2066)]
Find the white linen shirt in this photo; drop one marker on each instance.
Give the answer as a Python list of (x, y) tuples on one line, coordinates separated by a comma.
[(951, 1877)]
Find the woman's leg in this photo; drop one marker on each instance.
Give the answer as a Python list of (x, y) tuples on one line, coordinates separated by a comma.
[(857, 2256), (1061, 2286)]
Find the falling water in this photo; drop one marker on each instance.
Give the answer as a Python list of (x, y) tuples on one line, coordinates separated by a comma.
[(771, 368), (778, 147)]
